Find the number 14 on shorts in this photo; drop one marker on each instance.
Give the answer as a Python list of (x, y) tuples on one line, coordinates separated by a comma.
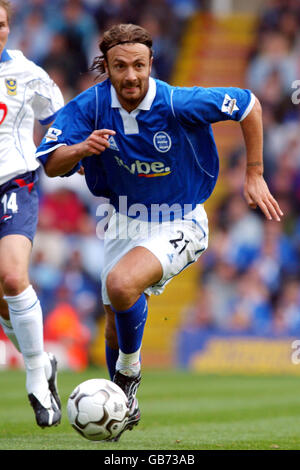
[(9, 202)]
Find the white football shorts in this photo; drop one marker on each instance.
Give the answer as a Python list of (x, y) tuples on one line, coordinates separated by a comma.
[(176, 244)]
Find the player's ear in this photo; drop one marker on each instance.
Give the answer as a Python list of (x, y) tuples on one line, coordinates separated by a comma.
[(151, 62)]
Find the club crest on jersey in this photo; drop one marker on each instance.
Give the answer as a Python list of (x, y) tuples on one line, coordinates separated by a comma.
[(52, 135), (229, 105), (11, 86), (162, 141)]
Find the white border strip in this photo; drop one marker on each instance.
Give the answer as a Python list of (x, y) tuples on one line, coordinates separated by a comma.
[(249, 107), (39, 154)]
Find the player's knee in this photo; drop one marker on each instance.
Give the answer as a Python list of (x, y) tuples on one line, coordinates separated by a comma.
[(13, 283), (120, 290)]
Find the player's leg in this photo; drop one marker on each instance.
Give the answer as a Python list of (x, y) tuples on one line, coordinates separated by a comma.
[(111, 341), (18, 220), (126, 383), (147, 268), (168, 250), (5, 321), (26, 323), (126, 319), (125, 283), (21, 298), (4, 312), (50, 363)]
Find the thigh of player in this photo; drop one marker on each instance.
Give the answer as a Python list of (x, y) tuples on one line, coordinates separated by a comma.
[(128, 268), (131, 275), (18, 221)]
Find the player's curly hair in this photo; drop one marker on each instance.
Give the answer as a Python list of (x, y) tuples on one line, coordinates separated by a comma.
[(120, 34), (8, 8)]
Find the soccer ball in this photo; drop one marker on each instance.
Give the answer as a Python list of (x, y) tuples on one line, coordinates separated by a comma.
[(98, 409)]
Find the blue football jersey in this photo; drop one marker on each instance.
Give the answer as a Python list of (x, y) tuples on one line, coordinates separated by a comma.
[(163, 152)]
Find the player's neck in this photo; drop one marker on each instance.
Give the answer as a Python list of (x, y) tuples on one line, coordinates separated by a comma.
[(129, 106)]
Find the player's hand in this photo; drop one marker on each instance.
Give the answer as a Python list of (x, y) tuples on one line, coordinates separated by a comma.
[(97, 142), (81, 171), (257, 193)]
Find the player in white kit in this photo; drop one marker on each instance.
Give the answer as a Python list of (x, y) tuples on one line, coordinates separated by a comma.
[(26, 93)]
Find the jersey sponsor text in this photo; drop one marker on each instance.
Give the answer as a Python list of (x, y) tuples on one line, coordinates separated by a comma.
[(145, 169)]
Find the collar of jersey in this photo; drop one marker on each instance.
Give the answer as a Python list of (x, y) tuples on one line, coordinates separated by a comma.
[(144, 105), (5, 56)]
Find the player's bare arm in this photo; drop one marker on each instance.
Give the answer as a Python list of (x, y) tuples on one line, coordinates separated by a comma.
[(64, 158), (256, 190)]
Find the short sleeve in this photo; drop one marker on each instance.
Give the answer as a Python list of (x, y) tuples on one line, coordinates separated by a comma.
[(71, 126), (197, 105), (47, 97)]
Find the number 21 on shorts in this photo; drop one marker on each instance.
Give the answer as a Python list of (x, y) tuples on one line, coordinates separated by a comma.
[(179, 243)]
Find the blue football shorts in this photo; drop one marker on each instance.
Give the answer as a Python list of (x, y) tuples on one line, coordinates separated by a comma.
[(19, 206)]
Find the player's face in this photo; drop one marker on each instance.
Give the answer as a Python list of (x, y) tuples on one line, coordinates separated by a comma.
[(4, 29), (129, 67)]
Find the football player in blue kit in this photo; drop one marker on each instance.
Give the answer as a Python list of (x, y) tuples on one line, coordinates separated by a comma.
[(149, 148), (26, 93)]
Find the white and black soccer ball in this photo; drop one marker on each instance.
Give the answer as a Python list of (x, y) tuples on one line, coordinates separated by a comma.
[(98, 409)]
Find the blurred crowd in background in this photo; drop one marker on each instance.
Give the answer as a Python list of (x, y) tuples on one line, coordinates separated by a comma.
[(252, 264), (63, 35), (250, 275)]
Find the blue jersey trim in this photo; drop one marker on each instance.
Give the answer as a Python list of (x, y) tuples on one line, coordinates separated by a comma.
[(5, 56), (201, 228)]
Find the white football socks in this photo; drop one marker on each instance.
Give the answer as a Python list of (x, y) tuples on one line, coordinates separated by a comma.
[(9, 331), (27, 323), (129, 364)]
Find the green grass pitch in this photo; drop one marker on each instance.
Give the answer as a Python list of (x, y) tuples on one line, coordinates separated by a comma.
[(180, 411)]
